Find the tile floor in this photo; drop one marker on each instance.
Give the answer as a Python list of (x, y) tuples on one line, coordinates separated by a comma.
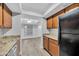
[(31, 47)]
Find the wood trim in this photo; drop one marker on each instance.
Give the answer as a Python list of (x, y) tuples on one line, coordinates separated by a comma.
[(72, 6)]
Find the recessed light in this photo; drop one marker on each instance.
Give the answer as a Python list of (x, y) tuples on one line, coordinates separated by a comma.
[(29, 21)]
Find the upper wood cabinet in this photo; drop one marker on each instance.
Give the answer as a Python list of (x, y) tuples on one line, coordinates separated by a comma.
[(52, 22), (6, 16), (49, 23), (1, 15), (55, 22)]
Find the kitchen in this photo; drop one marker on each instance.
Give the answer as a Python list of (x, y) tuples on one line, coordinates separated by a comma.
[(31, 29)]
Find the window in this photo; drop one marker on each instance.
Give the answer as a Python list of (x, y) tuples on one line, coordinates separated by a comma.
[(28, 30)]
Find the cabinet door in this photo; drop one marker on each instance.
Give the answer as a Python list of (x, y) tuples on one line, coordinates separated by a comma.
[(0, 15), (49, 23), (55, 22), (45, 42), (53, 48), (7, 17)]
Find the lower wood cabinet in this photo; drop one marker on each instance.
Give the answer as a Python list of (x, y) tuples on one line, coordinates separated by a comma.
[(45, 41), (51, 46)]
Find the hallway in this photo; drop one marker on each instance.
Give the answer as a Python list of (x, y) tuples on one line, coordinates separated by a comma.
[(31, 47)]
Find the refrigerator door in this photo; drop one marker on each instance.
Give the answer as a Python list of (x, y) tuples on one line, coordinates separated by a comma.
[(69, 34)]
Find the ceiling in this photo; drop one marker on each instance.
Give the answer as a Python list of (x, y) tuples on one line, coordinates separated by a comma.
[(36, 9), (39, 8)]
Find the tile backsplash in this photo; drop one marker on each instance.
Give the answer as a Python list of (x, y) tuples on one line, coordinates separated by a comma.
[(53, 32)]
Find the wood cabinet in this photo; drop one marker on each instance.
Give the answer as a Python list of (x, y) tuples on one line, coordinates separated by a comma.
[(51, 46), (1, 15), (49, 23), (6, 16), (45, 41), (52, 22), (55, 22)]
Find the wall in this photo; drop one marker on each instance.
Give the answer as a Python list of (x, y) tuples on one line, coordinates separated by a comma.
[(33, 32), (41, 20), (16, 26), (43, 25)]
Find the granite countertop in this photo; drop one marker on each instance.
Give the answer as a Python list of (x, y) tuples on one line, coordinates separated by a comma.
[(51, 36), (6, 43)]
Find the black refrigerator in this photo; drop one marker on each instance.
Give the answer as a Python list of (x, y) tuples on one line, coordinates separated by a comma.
[(69, 33)]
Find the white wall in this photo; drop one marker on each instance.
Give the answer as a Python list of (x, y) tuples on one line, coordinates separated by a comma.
[(43, 25), (16, 26), (41, 20)]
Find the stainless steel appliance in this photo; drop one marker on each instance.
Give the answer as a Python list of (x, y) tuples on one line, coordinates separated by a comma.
[(69, 33)]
